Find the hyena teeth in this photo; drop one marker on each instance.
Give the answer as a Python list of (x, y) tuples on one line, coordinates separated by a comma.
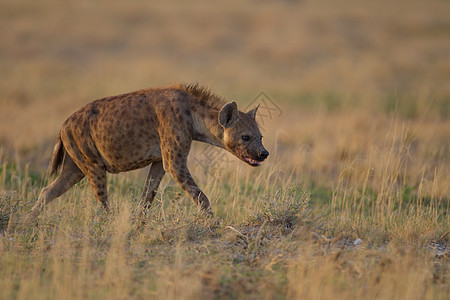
[(251, 161)]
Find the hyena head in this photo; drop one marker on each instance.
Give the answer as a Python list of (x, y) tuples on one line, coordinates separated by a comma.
[(241, 134)]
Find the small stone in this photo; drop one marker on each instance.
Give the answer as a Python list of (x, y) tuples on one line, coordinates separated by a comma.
[(357, 242)]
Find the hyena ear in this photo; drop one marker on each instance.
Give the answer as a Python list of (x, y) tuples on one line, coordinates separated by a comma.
[(228, 115), (252, 113)]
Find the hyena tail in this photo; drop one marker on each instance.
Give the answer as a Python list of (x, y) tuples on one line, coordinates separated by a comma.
[(58, 156)]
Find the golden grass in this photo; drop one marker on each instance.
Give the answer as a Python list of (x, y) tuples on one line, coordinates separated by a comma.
[(360, 151)]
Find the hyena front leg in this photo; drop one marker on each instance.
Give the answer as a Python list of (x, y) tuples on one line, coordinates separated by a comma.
[(175, 146), (182, 176), (180, 172), (187, 183), (154, 177)]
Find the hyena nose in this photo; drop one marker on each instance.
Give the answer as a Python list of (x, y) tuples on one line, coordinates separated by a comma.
[(264, 154)]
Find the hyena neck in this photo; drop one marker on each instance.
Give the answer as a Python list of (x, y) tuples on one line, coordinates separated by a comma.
[(206, 127)]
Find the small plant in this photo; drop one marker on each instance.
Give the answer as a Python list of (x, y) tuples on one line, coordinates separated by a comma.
[(9, 206), (284, 208)]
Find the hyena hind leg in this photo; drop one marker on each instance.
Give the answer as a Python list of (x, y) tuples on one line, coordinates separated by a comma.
[(70, 175), (97, 180)]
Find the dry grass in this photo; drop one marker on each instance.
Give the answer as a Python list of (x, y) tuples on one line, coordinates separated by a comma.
[(352, 202)]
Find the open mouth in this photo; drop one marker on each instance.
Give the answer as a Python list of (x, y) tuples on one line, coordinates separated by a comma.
[(251, 161)]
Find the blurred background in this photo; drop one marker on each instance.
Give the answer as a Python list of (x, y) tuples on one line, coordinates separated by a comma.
[(338, 70), (355, 111)]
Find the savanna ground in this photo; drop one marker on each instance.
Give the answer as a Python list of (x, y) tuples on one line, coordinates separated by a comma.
[(352, 202)]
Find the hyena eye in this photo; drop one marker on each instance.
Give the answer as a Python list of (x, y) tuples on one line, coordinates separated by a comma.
[(245, 138)]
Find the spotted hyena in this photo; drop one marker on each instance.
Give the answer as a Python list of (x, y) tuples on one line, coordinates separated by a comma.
[(153, 126)]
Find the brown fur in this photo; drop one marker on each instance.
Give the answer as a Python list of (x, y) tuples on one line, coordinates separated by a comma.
[(152, 126), (57, 158)]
